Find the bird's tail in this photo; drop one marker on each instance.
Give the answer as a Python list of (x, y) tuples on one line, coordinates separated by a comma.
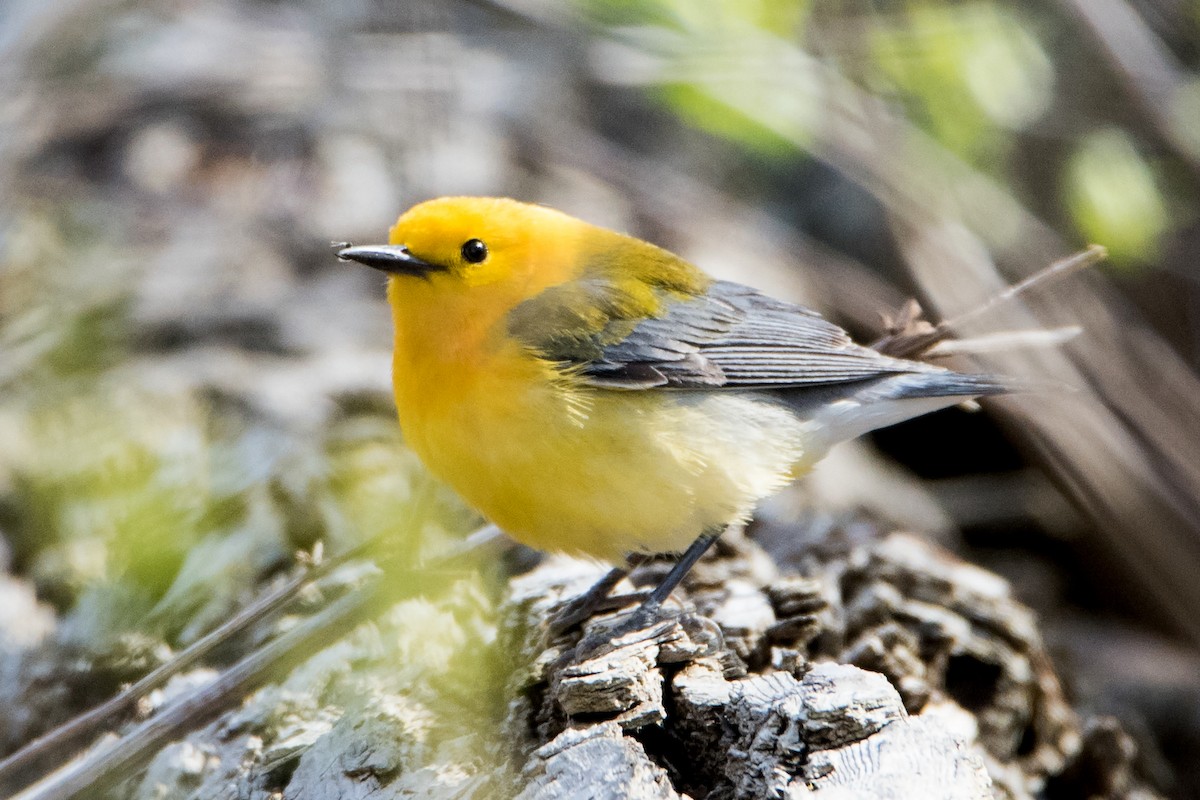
[(837, 414), (943, 384)]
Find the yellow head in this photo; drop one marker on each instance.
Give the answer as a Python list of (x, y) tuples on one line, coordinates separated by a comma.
[(459, 265), (482, 241)]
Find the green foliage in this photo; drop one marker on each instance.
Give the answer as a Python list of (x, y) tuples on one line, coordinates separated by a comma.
[(969, 73), (984, 80), (780, 17), (965, 72), (114, 481), (140, 507), (1114, 196)]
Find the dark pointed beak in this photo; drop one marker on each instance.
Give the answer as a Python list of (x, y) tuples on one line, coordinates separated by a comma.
[(392, 258)]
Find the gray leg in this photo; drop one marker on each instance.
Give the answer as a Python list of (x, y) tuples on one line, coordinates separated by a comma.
[(648, 610), (588, 603)]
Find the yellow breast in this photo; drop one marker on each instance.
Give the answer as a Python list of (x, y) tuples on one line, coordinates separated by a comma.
[(595, 472)]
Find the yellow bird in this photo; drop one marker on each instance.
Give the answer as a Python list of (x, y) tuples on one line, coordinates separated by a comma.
[(593, 394)]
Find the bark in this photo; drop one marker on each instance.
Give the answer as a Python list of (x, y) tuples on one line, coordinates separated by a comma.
[(889, 670)]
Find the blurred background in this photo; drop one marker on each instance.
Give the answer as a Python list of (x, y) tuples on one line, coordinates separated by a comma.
[(193, 389)]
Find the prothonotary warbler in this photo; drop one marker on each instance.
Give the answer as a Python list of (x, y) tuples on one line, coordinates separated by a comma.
[(592, 393)]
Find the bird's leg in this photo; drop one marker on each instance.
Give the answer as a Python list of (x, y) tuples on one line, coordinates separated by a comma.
[(648, 610), (588, 603)]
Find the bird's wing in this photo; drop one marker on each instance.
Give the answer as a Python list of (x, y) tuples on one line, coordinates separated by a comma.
[(732, 336)]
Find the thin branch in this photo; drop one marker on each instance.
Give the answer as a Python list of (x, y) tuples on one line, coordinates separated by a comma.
[(909, 336)]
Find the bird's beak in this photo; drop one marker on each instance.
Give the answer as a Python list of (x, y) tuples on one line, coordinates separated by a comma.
[(393, 258)]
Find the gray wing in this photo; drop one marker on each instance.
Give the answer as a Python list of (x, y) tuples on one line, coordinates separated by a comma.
[(733, 337)]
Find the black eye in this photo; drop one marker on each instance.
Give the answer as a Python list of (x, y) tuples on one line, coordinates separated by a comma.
[(474, 251)]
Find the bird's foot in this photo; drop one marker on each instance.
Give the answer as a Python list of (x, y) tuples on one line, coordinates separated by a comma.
[(651, 622), (573, 614)]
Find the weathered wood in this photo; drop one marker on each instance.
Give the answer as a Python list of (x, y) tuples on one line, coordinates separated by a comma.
[(952, 696), (595, 763), (905, 760)]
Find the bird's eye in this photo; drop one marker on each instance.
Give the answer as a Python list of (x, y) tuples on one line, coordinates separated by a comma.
[(474, 251)]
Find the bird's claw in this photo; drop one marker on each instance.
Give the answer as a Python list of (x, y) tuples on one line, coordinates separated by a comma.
[(649, 623), (584, 607)]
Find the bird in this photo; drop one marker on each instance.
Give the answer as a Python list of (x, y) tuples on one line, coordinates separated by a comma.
[(594, 394)]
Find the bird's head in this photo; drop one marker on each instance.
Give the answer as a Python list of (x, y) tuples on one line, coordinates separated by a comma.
[(470, 261), (461, 243)]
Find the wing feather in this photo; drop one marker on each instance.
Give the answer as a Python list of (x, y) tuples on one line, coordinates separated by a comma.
[(732, 336), (736, 337)]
